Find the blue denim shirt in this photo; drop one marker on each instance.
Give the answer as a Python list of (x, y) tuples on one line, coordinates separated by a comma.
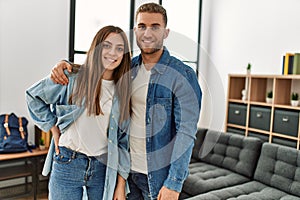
[(48, 106), (172, 113)]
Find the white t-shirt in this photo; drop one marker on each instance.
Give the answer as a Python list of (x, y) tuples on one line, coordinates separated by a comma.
[(138, 125), (88, 134)]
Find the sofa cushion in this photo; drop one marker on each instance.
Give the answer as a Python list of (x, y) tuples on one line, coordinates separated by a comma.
[(279, 167), (200, 135), (204, 177), (230, 151), (248, 191)]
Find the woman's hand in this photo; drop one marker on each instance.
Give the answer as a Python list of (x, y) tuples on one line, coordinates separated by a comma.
[(55, 134)]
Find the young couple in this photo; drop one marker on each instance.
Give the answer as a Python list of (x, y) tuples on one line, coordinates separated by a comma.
[(114, 120)]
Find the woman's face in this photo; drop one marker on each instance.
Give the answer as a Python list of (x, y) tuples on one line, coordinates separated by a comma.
[(112, 51)]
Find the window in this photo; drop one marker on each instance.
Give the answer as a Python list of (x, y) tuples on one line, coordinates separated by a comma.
[(91, 15), (87, 17)]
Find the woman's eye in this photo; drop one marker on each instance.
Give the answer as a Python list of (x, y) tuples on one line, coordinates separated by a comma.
[(120, 49), (106, 46)]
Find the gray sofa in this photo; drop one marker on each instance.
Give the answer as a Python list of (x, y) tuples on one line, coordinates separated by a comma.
[(231, 166)]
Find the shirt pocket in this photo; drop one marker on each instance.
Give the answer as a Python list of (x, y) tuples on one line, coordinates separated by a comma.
[(161, 114)]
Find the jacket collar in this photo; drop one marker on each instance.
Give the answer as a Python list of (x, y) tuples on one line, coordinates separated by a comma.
[(159, 67)]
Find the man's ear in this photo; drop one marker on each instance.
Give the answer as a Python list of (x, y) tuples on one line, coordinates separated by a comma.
[(166, 33)]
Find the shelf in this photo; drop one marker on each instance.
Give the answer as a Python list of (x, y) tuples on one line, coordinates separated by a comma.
[(260, 103), (259, 131), (236, 126), (285, 136), (15, 172), (287, 107), (277, 122), (238, 101)]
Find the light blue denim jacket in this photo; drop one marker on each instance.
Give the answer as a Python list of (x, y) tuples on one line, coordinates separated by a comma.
[(48, 106), (172, 113)]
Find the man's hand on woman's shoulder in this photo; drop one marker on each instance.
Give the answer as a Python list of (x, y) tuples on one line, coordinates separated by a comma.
[(57, 72)]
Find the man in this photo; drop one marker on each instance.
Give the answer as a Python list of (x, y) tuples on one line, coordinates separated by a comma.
[(166, 101)]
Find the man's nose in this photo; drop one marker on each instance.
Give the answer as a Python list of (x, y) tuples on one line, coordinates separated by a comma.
[(148, 32)]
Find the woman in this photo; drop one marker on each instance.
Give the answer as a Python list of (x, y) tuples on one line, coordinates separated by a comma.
[(88, 119)]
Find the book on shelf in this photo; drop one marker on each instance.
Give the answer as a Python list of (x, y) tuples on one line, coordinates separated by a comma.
[(288, 63), (283, 59), (296, 63)]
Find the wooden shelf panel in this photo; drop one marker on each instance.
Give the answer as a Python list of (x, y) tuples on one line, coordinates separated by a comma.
[(238, 84), (238, 101), (15, 172), (260, 103), (236, 126), (287, 107), (284, 136), (259, 131)]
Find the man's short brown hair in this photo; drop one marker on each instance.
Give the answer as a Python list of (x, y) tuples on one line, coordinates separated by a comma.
[(152, 8)]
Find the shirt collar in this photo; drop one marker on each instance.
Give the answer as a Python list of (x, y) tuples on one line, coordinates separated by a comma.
[(162, 64)]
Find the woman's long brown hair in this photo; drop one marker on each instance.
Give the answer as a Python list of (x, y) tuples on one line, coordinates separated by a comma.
[(87, 88)]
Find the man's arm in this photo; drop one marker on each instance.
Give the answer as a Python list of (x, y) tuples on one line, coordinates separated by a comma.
[(186, 111), (57, 72)]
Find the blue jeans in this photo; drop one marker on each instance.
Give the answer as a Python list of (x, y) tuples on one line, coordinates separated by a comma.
[(71, 171), (138, 185)]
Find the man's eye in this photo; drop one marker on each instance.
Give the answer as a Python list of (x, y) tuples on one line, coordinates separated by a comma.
[(155, 28), (142, 28)]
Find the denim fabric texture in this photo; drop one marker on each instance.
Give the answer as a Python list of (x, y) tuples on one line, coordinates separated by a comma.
[(48, 106), (172, 112), (139, 188), (71, 171)]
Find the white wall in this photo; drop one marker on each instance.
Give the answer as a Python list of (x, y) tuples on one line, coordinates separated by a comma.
[(33, 37), (235, 32)]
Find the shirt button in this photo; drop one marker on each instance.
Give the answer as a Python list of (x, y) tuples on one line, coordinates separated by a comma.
[(112, 128), (112, 116)]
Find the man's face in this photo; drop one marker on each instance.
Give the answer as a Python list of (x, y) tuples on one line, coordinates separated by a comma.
[(150, 32)]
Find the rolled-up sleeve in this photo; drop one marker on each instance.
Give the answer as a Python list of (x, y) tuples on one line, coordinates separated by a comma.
[(39, 98)]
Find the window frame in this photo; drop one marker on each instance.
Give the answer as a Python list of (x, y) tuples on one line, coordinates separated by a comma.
[(73, 51)]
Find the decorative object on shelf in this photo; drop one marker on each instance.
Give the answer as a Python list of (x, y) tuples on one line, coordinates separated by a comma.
[(249, 69), (42, 144), (269, 98), (244, 94), (294, 99), (245, 91)]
